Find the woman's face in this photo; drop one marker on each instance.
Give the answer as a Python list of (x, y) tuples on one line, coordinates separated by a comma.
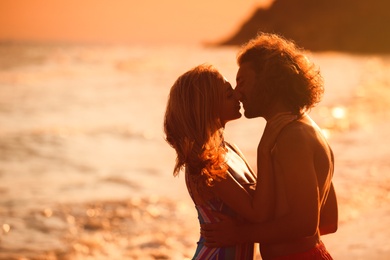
[(230, 106)]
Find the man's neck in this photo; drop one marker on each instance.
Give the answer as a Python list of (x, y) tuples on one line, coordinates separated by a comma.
[(276, 108)]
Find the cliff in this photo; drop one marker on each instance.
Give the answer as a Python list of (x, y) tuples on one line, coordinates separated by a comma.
[(358, 26)]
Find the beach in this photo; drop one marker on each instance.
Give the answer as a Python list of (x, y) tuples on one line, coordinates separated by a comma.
[(86, 174)]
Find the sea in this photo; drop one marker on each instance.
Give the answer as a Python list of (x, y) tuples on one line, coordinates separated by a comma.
[(84, 124)]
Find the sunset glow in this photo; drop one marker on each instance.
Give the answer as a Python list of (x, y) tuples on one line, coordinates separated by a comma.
[(150, 21)]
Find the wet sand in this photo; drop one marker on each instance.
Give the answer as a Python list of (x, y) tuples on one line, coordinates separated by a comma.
[(153, 228), (145, 228)]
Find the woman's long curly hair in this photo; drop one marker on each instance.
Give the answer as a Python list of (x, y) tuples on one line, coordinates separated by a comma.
[(285, 70), (192, 123)]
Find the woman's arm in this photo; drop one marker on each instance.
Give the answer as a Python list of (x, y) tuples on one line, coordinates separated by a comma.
[(258, 208), (254, 209)]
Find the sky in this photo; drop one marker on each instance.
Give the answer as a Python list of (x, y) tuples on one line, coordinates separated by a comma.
[(124, 21)]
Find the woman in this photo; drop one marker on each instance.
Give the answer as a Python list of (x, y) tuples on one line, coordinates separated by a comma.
[(218, 178)]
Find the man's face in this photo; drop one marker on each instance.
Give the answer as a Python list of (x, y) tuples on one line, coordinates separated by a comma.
[(249, 92)]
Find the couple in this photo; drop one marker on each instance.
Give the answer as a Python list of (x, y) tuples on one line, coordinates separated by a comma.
[(291, 201)]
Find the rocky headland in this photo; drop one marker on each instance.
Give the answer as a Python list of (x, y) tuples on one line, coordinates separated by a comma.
[(356, 26)]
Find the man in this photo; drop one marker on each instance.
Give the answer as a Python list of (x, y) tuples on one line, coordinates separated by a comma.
[(274, 77)]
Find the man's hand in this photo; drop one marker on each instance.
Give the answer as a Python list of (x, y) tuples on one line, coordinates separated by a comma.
[(221, 234)]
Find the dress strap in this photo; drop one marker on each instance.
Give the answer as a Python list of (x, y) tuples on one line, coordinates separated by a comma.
[(239, 153)]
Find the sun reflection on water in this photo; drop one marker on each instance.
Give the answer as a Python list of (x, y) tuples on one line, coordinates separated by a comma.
[(333, 119)]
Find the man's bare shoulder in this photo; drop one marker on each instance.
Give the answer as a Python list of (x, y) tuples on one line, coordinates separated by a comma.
[(301, 137), (296, 132)]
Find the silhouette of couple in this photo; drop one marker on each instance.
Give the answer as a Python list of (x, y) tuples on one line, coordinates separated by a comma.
[(290, 202)]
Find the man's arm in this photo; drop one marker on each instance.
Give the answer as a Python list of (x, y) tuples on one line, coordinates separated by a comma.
[(294, 161), (260, 207), (329, 214)]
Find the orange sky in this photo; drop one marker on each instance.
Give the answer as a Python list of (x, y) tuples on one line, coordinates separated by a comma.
[(127, 21)]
